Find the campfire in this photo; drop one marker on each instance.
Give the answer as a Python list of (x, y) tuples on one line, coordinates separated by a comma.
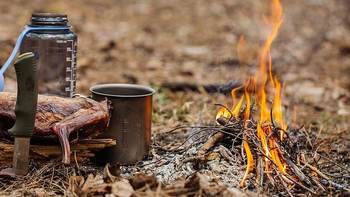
[(258, 112)]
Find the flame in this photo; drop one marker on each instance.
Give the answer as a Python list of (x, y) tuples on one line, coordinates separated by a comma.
[(267, 141), (223, 112), (248, 90), (277, 108), (256, 88), (236, 108), (276, 20), (275, 156), (250, 161), (247, 106), (262, 136), (270, 71), (234, 96), (261, 77)]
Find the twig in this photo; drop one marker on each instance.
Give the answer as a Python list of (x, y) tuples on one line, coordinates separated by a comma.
[(317, 183), (299, 184), (259, 171), (285, 186), (290, 178), (329, 160), (316, 170)]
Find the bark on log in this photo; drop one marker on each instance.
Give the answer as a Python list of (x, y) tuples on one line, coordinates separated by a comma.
[(81, 150)]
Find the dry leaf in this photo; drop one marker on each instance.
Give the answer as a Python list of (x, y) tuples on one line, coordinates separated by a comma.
[(122, 188)]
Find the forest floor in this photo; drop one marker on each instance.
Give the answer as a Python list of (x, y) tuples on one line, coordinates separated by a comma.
[(161, 42)]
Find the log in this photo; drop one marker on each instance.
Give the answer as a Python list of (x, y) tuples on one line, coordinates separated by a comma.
[(209, 88), (60, 117), (81, 150)]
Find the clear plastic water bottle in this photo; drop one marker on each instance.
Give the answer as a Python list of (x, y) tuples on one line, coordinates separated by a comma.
[(57, 50)]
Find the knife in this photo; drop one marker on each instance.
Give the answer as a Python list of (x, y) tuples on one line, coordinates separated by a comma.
[(25, 110)]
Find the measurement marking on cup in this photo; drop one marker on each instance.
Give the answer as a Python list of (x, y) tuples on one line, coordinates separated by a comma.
[(124, 131)]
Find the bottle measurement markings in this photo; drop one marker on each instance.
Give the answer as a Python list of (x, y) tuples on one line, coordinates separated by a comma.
[(70, 67)]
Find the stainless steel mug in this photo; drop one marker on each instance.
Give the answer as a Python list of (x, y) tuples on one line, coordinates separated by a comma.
[(130, 122)]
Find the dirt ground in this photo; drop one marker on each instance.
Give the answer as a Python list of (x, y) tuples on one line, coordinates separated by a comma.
[(194, 41)]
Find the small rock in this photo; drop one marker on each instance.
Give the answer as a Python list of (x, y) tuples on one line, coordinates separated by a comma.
[(195, 50)]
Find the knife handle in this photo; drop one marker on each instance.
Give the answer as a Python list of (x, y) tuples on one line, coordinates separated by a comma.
[(27, 95)]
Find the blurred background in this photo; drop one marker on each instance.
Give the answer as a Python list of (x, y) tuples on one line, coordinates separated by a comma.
[(194, 41)]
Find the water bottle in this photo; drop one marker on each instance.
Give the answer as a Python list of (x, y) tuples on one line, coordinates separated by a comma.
[(56, 49)]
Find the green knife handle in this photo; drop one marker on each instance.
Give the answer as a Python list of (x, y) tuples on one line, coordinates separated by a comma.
[(27, 95)]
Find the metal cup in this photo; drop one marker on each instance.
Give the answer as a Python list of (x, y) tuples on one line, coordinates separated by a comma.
[(130, 122)]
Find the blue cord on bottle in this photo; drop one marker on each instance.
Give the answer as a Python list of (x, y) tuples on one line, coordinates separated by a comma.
[(15, 50)]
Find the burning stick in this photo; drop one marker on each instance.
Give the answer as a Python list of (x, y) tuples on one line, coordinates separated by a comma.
[(217, 137), (212, 141)]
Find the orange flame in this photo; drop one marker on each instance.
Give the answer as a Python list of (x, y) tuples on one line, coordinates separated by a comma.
[(261, 77), (275, 157), (250, 161), (223, 112), (247, 106), (236, 108), (248, 90), (277, 108), (270, 71), (276, 20), (268, 142), (262, 136), (257, 87)]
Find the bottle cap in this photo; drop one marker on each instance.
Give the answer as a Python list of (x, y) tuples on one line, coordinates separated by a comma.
[(49, 19)]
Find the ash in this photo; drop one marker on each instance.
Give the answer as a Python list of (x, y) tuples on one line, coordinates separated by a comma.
[(173, 156)]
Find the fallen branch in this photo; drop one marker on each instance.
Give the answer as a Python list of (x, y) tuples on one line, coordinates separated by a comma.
[(210, 88)]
